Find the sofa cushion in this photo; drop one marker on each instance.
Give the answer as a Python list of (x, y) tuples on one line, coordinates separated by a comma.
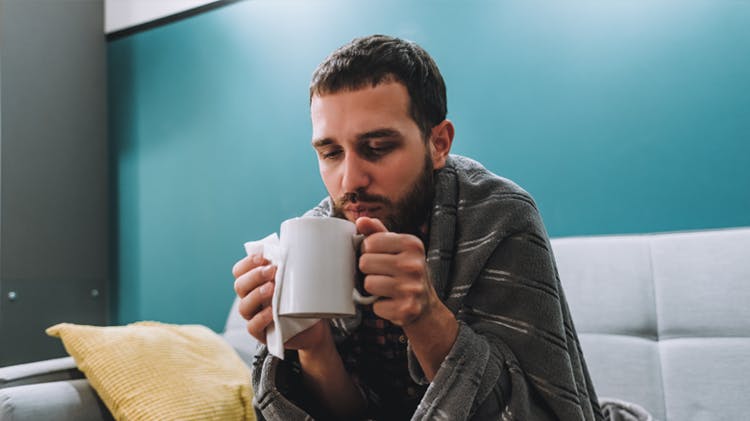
[(149, 370), (618, 362), (608, 276), (663, 318), (706, 378), (702, 282)]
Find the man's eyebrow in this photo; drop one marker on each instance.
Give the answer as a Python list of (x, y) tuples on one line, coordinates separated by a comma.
[(319, 143), (384, 132), (372, 134)]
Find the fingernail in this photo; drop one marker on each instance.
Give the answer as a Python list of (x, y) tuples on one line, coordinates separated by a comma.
[(267, 270), (257, 259)]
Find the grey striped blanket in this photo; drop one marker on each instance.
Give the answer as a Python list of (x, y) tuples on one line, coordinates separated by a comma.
[(517, 355)]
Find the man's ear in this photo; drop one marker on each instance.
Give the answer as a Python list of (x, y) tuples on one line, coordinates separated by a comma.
[(441, 140)]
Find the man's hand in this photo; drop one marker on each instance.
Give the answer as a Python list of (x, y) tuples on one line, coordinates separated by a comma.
[(322, 368), (395, 269), (254, 284)]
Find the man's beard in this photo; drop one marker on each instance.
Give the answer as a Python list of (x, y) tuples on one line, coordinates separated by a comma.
[(409, 214)]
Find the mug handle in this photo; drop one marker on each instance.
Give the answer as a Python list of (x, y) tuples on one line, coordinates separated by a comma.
[(360, 299), (356, 296)]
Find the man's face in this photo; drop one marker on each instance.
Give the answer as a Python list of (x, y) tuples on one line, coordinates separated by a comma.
[(372, 156)]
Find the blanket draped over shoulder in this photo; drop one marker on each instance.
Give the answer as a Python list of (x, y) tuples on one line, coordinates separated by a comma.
[(517, 355)]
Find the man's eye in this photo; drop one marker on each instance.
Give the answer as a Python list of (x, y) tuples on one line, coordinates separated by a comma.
[(378, 151), (330, 154)]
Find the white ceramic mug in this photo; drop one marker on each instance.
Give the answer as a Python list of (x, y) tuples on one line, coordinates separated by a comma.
[(319, 264)]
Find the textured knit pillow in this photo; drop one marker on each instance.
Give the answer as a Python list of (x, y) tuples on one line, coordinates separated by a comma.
[(155, 371)]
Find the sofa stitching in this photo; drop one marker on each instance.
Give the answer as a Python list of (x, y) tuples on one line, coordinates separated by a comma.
[(657, 315)]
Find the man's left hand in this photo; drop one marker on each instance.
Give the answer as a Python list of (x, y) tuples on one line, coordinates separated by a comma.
[(395, 269)]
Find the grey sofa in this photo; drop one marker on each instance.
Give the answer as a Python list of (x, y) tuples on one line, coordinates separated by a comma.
[(663, 319)]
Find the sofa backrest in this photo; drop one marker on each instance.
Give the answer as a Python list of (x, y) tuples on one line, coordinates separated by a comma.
[(664, 319)]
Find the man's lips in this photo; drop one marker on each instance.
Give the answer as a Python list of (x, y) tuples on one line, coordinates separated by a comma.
[(362, 210)]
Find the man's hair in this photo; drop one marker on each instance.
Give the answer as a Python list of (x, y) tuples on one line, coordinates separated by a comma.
[(377, 59)]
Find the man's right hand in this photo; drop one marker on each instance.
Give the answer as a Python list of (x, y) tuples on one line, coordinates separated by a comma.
[(254, 285), (322, 368)]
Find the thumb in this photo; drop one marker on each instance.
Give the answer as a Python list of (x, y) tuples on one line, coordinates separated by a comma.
[(368, 226)]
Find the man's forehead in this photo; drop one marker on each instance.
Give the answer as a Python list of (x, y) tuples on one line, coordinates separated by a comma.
[(349, 114)]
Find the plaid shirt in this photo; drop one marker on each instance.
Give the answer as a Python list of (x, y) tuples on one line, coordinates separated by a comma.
[(375, 356)]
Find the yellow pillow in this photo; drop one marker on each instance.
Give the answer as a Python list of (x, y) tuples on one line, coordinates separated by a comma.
[(155, 371)]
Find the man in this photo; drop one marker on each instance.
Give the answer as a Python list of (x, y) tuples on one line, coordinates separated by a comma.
[(472, 321)]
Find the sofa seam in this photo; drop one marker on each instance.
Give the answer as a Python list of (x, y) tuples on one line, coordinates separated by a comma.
[(657, 316)]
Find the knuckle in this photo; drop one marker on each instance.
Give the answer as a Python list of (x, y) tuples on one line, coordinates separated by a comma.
[(410, 310), (245, 312), (412, 289), (248, 264), (413, 243), (256, 274), (409, 265)]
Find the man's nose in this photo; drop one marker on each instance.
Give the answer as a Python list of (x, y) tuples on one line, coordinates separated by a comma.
[(355, 176)]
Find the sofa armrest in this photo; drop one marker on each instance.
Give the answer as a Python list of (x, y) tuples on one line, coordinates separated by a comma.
[(63, 400), (39, 372)]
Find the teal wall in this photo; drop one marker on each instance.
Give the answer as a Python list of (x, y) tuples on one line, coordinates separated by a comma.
[(618, 116)]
